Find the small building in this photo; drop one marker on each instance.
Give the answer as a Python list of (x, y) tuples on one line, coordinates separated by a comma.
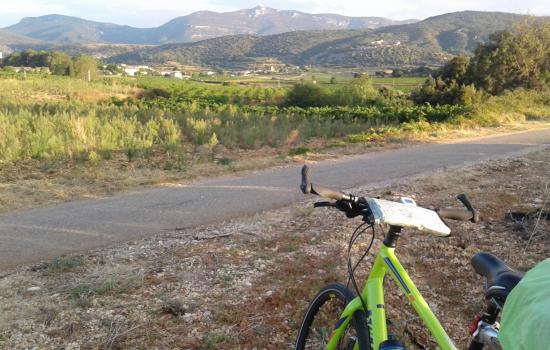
[(176, 74), (45, 70), (130, 71)]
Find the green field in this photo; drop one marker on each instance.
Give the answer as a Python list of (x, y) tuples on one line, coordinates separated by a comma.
[(404, 84), (47, 117)]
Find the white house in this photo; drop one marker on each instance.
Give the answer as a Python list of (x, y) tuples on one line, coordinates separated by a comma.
[(130, 71), (176, 74)]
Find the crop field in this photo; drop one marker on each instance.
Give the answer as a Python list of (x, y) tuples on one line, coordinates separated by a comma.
[(404, 84), (63, 118)]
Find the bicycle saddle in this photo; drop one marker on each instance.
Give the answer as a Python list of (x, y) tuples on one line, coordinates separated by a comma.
[(501, 279)]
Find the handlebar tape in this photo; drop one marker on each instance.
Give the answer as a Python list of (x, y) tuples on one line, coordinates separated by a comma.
[(455, 214)]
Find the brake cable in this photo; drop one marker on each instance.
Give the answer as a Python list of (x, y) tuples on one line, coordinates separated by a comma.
[(351, 270)]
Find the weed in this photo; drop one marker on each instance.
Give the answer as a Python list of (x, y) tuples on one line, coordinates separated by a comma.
[(212, 339), (48, 314), (174, 307), (82, 293), (299, 151), (224, 161), (61, 264)]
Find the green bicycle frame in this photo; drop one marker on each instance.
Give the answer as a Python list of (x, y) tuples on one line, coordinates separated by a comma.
[(373, 294)]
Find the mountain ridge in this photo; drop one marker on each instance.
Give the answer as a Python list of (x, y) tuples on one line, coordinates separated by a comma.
[(431, 41), (260, 20)]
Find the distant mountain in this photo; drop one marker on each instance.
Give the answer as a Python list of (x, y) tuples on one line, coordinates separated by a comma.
[(197, 26), (11, 41), (431, 42)]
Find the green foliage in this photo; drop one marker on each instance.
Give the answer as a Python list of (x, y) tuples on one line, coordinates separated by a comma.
[(455, 70), (85, 67), (439, 91), (359, 92), (186, 115), (307, 95), (28, 58), (509, 60), (68, 131), (512, 59), (60, 63), (61, 264)]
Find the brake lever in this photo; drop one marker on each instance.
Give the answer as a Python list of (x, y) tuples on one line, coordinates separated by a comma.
[(466, 202)]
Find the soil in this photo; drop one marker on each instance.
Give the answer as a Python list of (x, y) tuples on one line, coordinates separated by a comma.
[(245, 284)]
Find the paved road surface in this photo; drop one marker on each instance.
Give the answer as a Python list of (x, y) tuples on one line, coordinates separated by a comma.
[(36, 234)]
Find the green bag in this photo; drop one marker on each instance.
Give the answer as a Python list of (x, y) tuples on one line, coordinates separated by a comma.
[(525, 323)]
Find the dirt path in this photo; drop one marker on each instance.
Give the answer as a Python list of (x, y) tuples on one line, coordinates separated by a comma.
[(37, 234)]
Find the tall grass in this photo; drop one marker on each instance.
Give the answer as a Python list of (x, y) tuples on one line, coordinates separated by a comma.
[(74, 131), (76, 126)]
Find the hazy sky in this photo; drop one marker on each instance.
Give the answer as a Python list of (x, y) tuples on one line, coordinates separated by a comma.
[(150, 13)]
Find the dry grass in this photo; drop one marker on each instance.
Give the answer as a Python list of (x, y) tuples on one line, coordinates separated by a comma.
[(33, 183), (249, 289)]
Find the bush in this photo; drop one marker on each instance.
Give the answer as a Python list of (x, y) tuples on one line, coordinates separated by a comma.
[(307, 95), (509, 60)]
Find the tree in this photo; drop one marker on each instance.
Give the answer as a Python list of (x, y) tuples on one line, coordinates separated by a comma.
[(60, 63), (307, 95), (360, 91), (456, 69), (512, 59), (85, 67), (397, 73), (509, 60)]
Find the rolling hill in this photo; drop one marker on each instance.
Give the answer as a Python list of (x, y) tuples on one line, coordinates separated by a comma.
[(11, 41), (197, 26), (431, 41)]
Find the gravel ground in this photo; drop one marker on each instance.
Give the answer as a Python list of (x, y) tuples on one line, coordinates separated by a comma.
[(244, 284)]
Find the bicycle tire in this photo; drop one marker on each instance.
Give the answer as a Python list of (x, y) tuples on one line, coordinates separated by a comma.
[(474, 345), (357, 324)]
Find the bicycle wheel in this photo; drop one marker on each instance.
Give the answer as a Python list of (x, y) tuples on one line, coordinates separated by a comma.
[(321, 316), (474, 345)]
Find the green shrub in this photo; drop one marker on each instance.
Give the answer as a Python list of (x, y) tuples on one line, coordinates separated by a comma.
[(307, 95)]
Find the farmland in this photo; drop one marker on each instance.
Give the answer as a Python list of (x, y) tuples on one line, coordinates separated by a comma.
[(64, 138), (69, 119)]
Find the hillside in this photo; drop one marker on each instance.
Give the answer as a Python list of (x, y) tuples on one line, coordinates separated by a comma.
[(237, 51), (197, 26), (431, 41), (11, 41)]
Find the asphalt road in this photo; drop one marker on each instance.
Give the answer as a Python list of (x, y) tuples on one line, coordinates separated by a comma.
[(33, 235)]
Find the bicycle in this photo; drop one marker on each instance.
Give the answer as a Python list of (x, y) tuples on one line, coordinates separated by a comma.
[(361, 322)]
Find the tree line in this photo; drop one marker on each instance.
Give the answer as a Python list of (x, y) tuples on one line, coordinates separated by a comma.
[(519, 58), (58, 62)]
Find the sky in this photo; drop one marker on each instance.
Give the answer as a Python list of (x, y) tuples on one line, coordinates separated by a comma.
[(152, 13)]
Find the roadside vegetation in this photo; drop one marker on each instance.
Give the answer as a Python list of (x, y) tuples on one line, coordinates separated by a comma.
[(246, 283), (158, 123)]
